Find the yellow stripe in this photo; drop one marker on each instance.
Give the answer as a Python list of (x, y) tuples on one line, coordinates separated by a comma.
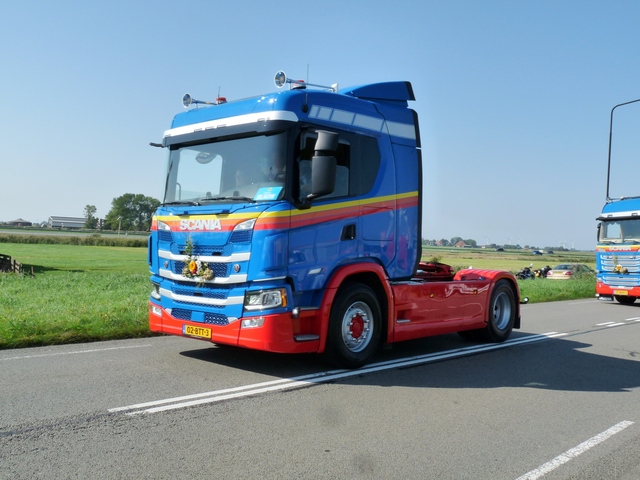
[(349, 204), (286, 213), (222, 217)]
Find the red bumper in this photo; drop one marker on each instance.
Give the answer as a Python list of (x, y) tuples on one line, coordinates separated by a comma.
[(603, 289), (280, 333)]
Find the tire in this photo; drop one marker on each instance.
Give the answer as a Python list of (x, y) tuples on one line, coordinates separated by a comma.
[(355, 326), (625, 300), (502, 312)]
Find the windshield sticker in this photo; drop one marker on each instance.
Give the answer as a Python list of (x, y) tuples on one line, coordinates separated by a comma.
[(268, 193)]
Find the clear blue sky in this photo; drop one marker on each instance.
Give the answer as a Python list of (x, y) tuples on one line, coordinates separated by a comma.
[(513, 97)]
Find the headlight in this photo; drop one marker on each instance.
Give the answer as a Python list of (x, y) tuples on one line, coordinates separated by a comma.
[(163, 226), (246, 225), (265, 299)]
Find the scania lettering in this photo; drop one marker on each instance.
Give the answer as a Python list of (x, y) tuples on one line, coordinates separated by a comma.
[(211, 224), (291, 223)]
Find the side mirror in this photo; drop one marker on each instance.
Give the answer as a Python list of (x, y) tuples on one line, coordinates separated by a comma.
[(323, 164)]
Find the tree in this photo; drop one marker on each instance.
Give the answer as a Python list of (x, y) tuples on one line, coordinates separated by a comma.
[(90, 216), (131, 212), (471, 242)]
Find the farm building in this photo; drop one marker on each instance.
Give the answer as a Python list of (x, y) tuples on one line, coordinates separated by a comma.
[(19, 223), (66, 222)]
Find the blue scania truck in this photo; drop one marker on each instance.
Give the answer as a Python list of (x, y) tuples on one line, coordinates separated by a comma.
[(291, 222)]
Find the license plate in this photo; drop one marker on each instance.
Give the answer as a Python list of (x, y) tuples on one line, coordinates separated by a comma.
[(620, 292), (199, 332)]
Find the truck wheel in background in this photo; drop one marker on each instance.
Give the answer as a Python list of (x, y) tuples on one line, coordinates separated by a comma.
[(625, 300), (354, 326), (502, 312)]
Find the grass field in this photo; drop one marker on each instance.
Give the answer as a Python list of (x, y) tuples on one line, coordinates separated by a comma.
[(87, 293), (78, 293)]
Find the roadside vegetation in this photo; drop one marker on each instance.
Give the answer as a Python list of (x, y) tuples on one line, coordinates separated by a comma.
[(96, 288), (77, 294)]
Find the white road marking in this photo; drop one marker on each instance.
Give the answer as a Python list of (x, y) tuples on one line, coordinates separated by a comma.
[(74, 352), (574, 452), (311, 379), (617, 324)]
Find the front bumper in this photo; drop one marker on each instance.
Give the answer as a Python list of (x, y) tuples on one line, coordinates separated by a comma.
[(604, 291), (279, 333)]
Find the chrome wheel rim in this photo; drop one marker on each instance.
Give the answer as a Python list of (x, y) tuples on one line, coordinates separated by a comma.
[(357, 324), (501, 311)]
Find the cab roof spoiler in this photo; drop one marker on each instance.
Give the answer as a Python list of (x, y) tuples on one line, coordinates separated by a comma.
[(386, 91)]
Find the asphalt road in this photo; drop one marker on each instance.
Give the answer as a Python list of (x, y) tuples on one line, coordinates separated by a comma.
[(559, 400)]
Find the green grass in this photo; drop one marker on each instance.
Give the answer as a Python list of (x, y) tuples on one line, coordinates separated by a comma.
[(82, 292), (542, 290), (78, 294)]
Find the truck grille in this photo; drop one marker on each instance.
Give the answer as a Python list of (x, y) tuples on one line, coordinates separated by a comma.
[(219, 269), (219, 293), (631, 263), (165, 236), (241, 236), (620, 280), (610, 277), (210, 318), (204, 250)]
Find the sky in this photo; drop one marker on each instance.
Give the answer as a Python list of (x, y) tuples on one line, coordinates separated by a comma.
[(514, 98)]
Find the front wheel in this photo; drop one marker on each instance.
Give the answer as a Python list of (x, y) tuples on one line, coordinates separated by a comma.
[(625, 300), (502, 312), (354, 326)]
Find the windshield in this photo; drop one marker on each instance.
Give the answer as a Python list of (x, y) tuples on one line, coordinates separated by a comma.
[(620, 231), (243, 169)]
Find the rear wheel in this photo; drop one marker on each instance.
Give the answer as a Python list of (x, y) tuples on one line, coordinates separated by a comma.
[(354, 326), (625, 300), (502, 312)]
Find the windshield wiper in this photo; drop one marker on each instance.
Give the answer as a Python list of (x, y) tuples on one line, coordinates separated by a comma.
[(182, 202), (244, 199)]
